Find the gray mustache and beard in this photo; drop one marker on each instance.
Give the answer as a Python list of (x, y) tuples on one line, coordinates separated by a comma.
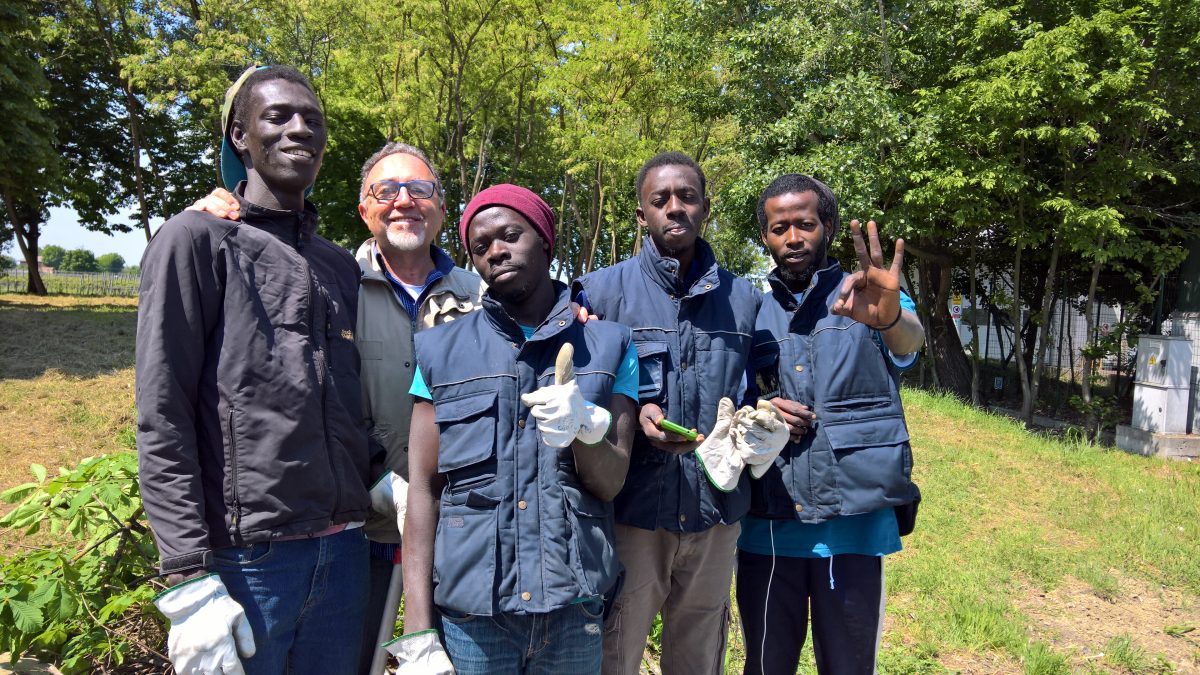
[(799, 281)]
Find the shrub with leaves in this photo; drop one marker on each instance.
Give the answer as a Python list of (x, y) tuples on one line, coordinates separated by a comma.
[(82, 600)]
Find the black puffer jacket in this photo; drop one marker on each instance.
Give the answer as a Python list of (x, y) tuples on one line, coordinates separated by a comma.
[(248, 394)]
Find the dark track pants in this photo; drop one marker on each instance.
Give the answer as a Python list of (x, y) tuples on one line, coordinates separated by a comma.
[(846, 620)]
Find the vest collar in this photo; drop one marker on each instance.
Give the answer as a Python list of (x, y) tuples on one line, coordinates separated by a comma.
[(822, 285), (663, 270), (560, 318), (294, 227)]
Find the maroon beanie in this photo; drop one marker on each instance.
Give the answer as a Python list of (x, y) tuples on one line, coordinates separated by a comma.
[(519, 199)]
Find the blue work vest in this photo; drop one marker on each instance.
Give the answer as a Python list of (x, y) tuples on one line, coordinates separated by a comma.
[(856, 458), (693, 346), (517, 532)]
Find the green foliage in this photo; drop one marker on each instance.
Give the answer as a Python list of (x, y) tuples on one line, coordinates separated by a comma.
[(82, 602), (6, 263), (25, 149), (79, 260), (112, 263), (52, 255)]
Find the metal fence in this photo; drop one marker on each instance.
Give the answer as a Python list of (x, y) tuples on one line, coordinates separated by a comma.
[(75, 283)]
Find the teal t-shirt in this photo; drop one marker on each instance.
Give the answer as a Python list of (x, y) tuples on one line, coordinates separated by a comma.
[(626, 382), (862, 534)]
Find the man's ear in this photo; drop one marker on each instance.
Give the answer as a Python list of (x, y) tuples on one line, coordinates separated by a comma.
[(640, 215), (237, 136)]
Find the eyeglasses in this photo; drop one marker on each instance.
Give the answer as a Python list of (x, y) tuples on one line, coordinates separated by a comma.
[(388, 190)]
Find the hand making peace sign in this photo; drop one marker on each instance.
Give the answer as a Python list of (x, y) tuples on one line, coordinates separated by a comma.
[(872, 294)]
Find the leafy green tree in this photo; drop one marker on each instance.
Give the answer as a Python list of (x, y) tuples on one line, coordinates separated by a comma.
[(52, 255), (110, 262), (27, 159), (79, 260), (7, 263)]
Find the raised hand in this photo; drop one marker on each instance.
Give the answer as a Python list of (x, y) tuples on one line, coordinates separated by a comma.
[(872, 294)]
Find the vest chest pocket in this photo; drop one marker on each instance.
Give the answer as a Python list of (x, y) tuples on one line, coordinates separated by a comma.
[(466, 448), (653, 361)]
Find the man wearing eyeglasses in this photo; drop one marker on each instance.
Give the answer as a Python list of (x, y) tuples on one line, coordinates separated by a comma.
[(408, 284)]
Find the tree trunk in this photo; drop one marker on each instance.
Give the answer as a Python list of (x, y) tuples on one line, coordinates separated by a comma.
[(952, 370), (27, 240), (596, 215), (1043, 327), (975, 398), (1091, 426), (1022, 366)]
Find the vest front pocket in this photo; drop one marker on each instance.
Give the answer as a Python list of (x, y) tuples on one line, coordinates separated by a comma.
[(464, 554), (872, 463), (593, 558), (467, 440)]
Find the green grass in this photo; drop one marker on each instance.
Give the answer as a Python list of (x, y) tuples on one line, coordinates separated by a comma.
[(1010, 520)]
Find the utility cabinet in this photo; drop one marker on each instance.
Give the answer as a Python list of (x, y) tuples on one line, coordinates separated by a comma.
[(1162, 384)]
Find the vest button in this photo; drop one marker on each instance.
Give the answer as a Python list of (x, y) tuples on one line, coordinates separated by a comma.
[(406, 364), (683, 517), (683, 365), (526, 596), (707, 286), (799, 369), (799, 508), (521, 423), (522, 505), (561, 324)]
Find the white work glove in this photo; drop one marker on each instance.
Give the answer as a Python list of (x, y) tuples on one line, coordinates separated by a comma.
[(208, 628), (718, 454), (389, 497), (563, 415), (759, 435), (420, 653)]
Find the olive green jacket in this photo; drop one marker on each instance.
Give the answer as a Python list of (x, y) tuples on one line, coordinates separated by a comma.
[(385, 345)]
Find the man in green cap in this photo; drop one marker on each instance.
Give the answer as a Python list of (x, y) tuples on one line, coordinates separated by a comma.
[(252, 450)]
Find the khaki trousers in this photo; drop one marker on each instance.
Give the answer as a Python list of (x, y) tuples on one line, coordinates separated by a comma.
[(687, 576)]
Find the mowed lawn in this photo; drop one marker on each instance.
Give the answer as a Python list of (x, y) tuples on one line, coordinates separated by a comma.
[(1031, 555)]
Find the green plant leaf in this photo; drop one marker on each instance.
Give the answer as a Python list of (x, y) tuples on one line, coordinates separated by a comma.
[(39, 472), (26, 616)]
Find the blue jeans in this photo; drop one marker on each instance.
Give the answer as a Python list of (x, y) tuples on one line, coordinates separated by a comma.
[(304, 599), (568, 641)]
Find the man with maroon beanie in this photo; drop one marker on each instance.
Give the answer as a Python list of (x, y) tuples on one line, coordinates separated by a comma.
[(514, 457)]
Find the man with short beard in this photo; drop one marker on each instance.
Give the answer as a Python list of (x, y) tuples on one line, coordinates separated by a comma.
[(516, 452), (828, 346), (408, 285), (692, 321)]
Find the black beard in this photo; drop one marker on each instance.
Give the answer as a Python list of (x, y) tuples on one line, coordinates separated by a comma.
[(798, 282)]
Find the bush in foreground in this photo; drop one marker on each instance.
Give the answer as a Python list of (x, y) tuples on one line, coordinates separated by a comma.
[(83, 603)]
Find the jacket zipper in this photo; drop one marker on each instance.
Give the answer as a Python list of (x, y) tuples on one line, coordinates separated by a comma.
[(322, 372), (233, 479)]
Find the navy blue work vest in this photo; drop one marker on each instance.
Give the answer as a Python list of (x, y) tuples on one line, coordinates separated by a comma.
[(856, 458), (517, 532), (693, 347)]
